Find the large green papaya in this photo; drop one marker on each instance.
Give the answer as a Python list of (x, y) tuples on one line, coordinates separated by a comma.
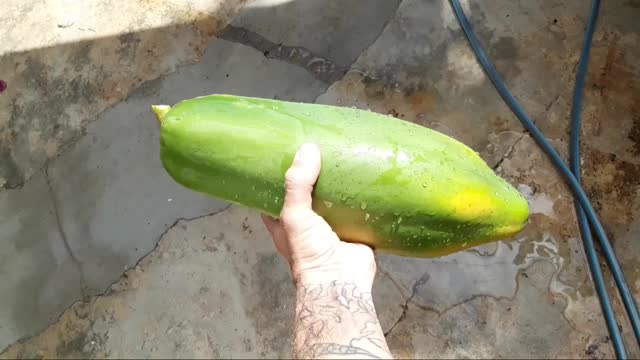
[(396, 186)]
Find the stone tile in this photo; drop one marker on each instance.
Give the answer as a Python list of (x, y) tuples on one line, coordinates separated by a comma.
[(39, 277), (63, 22), (213, 288), (528, 297), (338, 30), (421, 69), (65, 62), (444, 282), (528, 325), (115, 198)]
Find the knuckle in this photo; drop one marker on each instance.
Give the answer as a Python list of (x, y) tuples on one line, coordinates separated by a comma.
[(291, 217), (285, 215), (295, 178), (298, 221)]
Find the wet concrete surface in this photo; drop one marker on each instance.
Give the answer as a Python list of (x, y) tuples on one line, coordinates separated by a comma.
[(231, 295)]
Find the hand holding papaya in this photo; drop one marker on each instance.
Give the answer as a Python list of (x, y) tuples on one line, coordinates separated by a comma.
[(335, 314), (314, 252)]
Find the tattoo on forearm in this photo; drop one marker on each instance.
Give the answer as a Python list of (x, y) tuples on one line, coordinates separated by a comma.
[(322, 349), (337, 319)]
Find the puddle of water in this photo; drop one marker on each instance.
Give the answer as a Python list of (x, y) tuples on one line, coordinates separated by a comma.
[(539, 203), (457, 277), (547, 248), (490, 270)]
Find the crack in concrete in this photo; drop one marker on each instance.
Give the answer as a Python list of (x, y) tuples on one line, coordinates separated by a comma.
[(155, 247), (321, 68), (510, 151), (414, 290), (88, 298), (363, 72), (550, 104), (525, 131), (422, 280), (65, 240), (45, 165), (425, 277)]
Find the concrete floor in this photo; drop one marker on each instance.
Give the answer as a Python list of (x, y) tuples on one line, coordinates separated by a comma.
[(104, 255)]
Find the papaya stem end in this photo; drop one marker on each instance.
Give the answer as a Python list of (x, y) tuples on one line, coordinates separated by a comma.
[(160, 111)]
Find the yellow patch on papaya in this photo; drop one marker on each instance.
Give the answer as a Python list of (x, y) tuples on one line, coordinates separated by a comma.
[(508, 230), (471, 204)]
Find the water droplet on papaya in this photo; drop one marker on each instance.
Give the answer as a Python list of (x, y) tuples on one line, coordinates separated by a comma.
[(366, 216), (328, 204), (415, 172), (399, 219), (424, 185), (337, 165), (363, 205)]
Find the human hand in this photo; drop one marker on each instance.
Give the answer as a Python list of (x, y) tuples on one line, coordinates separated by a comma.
[(314, 252)]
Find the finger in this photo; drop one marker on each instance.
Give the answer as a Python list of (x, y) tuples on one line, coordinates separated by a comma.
[(301, 177), (278, 234), (274, 226)]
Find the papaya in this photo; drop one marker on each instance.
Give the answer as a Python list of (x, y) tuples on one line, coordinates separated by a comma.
[(396, 186)]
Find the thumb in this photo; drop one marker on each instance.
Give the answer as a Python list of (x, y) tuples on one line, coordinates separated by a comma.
[(299, 180)]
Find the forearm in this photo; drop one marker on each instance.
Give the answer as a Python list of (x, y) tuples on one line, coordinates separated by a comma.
[(337, 320)]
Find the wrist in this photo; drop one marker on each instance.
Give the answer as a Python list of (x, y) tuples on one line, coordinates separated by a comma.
[(348, 263), (322, 293), (326, 278)]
